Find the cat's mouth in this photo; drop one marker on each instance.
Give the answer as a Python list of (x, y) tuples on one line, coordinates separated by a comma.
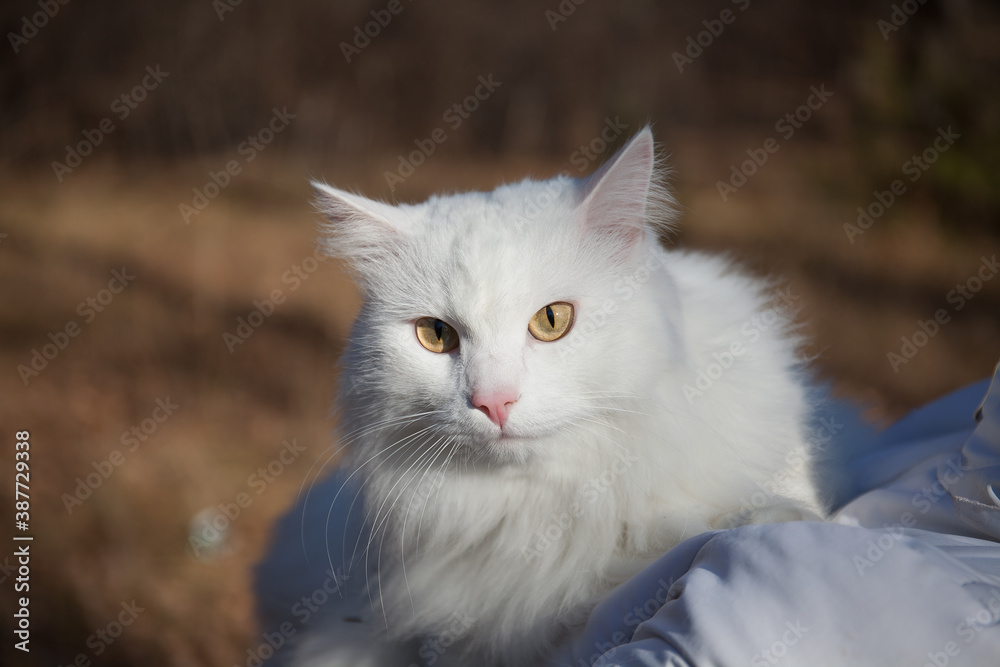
[(499, 438), (511, 436), (515, 442), (508, 435), (502, 450)]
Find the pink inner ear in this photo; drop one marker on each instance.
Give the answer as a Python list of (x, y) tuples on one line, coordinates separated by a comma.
[(614, 204)]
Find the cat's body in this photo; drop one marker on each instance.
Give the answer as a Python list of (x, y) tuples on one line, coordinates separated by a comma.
[(515, 482)]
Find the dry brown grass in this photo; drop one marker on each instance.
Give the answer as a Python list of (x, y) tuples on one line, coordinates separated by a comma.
[(163, 337)]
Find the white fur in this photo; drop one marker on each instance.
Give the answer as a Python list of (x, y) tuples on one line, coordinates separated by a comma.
[(606, 457)]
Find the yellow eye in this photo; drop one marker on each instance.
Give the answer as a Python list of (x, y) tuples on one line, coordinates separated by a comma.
[(551, 322), (435, 335)]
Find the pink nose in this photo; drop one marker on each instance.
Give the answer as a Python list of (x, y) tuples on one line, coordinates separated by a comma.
[(495, 405)]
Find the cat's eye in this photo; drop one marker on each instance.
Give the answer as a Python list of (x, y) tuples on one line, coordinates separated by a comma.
[(435, 335), (551, 322)]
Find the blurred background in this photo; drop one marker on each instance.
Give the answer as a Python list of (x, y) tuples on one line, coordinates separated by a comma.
[(170, 338)]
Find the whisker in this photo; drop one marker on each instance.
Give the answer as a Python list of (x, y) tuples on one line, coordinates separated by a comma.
[(442, 472), (395, 448), (375, 523), (329, 514), (358, 433), (347, 440), (439, 448), (392, 448), (388, 514)]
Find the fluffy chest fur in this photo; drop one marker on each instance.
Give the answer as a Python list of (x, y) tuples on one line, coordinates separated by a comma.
[(515, 480)]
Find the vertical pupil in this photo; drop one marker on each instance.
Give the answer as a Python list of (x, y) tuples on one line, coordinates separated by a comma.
[(551, 316), (438, 328)]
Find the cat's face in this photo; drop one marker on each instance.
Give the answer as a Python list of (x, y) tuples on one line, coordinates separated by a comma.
[(499, 319)]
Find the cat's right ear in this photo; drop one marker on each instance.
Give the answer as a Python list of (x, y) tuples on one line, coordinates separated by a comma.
[(625, 198), (357, 229)]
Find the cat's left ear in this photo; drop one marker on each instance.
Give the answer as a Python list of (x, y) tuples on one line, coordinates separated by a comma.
[(357, 229), (622, 198)]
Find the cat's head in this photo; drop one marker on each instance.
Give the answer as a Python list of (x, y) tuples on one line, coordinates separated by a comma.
[(493, 321)]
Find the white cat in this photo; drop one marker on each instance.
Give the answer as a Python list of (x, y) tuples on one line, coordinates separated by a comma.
[(538, 400)]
